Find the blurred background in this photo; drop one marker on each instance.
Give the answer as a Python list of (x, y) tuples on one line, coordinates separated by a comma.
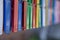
[(46, 28)]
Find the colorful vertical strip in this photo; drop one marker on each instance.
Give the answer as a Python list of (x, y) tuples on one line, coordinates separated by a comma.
[(53, 9), (37, 13), (39, 17), (24, 15), (39, 21), (43, 13), (15, 16), (1, 17), (33, 13), (30, 16), (28, 11), (50, 13), (46, 13), (7, 16), (19, 15), (57, 12)]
